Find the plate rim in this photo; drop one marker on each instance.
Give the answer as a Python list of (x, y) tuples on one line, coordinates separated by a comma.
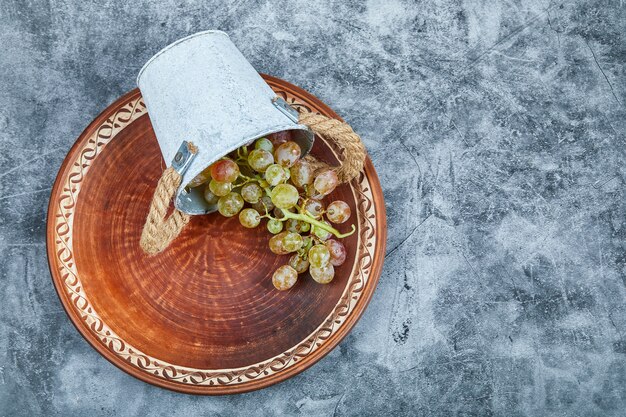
[(368, 290)]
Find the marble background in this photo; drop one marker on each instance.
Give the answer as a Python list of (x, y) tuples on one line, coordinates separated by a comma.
[(497, 128)]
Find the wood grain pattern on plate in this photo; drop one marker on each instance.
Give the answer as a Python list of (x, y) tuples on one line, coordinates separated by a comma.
[(202, 317)]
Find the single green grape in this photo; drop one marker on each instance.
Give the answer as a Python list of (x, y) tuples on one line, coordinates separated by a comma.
[(319, 255), (322, 274), (225, 170), (292, 242), (276, 244), (285, 196), (260, 159), (274, 175), (230, 204), (284, 278), (209, 197), (220, 189), (274, 226), (337, 252), (287, 153), (264, 144), (301, 173), (305, 227), (298, 263), (321, 233), (338, 212), (326, 182), (252, 193), (249, 218)]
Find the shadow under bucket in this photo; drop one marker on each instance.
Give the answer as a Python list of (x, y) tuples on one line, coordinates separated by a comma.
[(201, 89)]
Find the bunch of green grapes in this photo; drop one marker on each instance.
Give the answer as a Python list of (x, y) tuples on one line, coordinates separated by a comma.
[(279, 186)]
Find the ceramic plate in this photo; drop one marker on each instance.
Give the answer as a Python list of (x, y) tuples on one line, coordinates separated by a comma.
[(201, 317)]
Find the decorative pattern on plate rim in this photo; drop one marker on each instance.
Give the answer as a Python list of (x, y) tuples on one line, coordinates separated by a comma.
[(64, 215)]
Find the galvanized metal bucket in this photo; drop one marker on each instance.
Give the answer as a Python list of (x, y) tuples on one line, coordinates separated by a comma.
[(201, 89)]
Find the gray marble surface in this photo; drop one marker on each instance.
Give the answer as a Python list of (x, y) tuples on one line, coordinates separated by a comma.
[(498, 131)]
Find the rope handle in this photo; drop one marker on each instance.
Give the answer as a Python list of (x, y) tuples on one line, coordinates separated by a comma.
[(158, 232), (353, 151)]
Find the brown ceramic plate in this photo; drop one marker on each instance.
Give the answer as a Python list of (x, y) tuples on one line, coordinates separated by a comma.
[(201, 317)]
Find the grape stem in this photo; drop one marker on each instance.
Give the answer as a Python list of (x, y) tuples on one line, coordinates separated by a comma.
[(317, 223), (241, 162), (247, 180), (242, 153), (267, 214)]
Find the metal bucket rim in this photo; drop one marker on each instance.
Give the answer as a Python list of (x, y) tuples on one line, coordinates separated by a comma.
[(179, 41), (248, 140)]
